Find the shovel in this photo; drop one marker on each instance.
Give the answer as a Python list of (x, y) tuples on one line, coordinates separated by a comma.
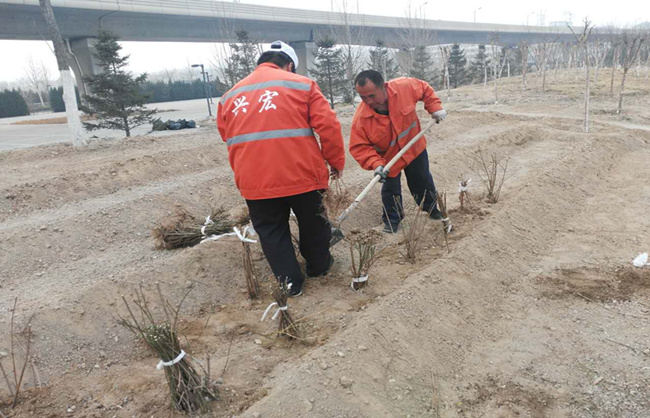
[(337, 234)]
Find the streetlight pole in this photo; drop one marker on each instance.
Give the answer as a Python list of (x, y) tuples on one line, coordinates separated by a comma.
[(209, 88), (422, 14), (528, 15), (476, 10), (205, 85)]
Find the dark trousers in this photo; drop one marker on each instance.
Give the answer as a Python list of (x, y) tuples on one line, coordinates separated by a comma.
[(270, 217), (420, 183)]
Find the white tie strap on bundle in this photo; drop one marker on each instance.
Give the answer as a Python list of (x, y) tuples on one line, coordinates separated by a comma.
[(242, 235), (248, 230), (641, 260), (178, 358), (464, 188), (208, 222), (277, 312), (447, 224)]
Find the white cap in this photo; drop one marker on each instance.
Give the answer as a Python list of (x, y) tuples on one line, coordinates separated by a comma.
[(280, 46)]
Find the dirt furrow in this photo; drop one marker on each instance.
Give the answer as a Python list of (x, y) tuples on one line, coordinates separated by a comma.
[(419, 338)]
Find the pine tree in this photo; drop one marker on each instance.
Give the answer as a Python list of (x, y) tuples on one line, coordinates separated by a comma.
[(243, 59), (329, 70), (115, 97), (381, 60), (56, 99), (477, 68), (12, 103), (422, 67), (457, 66)]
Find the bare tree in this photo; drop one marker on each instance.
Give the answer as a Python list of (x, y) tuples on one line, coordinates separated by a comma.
[(227, 65), (414, 38), (557, 55), (614, 40), (445, 53), (498, 61), (630, 42), (647, 56), (524, 49), (348, 39), (62, 59), (598, 53), (583, 43), (35, 76), (542, 51)]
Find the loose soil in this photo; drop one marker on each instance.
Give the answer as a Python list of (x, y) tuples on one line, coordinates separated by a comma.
[(535, 311)]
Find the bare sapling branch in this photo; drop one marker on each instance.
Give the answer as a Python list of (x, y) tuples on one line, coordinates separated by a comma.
[(463, 195), (446, 223), (492, 173), (17, 370), (414, 228), (363, 254), (252, 284), (287, 327), (335, 200)]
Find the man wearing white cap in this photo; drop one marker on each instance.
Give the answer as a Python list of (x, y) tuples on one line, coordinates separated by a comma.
[(268, 121)]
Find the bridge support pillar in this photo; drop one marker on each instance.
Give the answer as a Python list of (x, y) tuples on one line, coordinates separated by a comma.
[(83, 63), (305, 52)]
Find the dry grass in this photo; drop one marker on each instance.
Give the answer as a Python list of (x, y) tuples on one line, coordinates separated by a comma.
[(51, 121)]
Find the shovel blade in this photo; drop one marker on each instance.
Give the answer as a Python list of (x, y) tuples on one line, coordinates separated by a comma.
[(337, 236)]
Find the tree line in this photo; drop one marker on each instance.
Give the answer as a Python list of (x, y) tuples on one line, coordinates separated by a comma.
[(12, 103)]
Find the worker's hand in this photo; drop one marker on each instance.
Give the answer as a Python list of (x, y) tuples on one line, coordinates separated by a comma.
[(335, 174), (382, 173), (439, 115)]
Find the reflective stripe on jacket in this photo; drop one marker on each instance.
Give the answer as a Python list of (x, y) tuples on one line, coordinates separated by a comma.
[(268, 121), (375, 138)]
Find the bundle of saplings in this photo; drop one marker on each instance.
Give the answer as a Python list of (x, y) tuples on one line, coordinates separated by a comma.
[(190, 391), (184, 229)]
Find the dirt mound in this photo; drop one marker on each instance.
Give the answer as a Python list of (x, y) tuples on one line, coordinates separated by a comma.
[(597, 285)]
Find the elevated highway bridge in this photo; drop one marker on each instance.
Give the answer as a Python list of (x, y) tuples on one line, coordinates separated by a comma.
[(217, 21)]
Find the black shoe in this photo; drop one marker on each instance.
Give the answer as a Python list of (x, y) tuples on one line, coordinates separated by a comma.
[(388, 229), (435, 214), (313, 275), (295, 289)]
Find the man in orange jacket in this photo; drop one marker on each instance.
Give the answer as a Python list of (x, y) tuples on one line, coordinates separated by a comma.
[(268, 121), (382, 125)]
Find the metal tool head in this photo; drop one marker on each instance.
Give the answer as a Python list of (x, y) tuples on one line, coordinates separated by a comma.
[(337, 236)]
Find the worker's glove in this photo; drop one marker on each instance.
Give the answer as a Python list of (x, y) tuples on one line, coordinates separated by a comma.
[(439, 115), (382, 173)]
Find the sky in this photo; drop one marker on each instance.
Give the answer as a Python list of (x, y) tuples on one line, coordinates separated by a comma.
[(152, 57)]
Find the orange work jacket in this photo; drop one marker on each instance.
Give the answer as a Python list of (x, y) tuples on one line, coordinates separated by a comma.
[(268, 121), (375, 138)]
